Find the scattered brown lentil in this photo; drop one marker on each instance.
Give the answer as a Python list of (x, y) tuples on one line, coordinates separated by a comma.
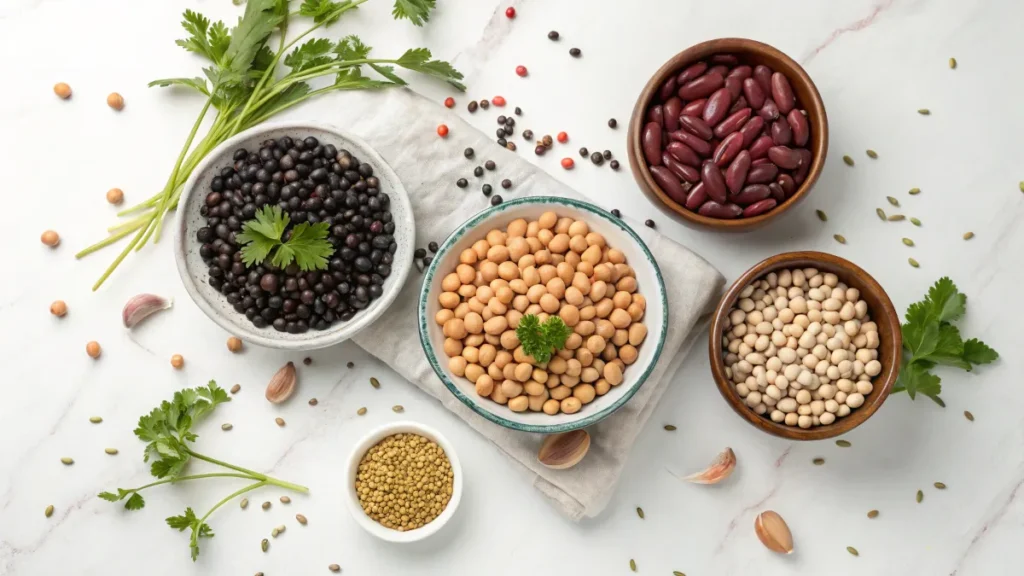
[(49, 511), (95, 419), (266, 505), (952, 63), (397, 408), (670, 428), (893, 201), (244, 503), (914, 191), (640, 512), (264, 544), (511, 146), (301, 519), (286, 500), (940, 485), (236, 388), (821, 215), (350, 365), (177, 361), (915, 222), (924, 111), (897, 218), (914, 263), (111, 451), (374, 382), (632, 565), (575, 52), (67, 461), (852, 550), (840, 238), (848, 160), (843, 443), (361, 411), (584, 152), (313, 401), (614, 164), (472, 106), (881, 213), (613, 123), (279, 421), (968, 235), (908, 242), (235, 344), (818, 461), (872, 154), (873, 514), (334, 568), (968, 415)]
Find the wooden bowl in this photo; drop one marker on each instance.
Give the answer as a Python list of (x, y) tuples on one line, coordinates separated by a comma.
[(879, 307), (749, 52)]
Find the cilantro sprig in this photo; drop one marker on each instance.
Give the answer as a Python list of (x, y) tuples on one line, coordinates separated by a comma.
[(542, 340), (253, 72), (930, 339), (167, 431), (307, 244)]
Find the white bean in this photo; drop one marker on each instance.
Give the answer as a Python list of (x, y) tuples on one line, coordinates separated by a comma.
[(855, 400), (791, 419), (873, 368), (777, 416), (826, 418)]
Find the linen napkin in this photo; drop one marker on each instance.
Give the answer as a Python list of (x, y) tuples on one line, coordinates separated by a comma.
[(401, 126)]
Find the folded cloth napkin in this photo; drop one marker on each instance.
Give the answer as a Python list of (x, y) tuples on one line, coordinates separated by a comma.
[(401, 126)]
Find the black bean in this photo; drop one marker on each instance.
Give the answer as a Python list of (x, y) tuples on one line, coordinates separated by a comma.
[(584, 152), (472, 106), (500, 132), (486, 189), (496, 199), (527, 135), (574, 52), (468, 152), (490, 165), (553, 35), (502, 142), (597, 158), (607, 154), (614, 164), (616, 213), (506, 183), (461, 183), (485, 104), (478, 171), (501, 119), (612, 123), (649, 223), (432, 247), (519, 111)]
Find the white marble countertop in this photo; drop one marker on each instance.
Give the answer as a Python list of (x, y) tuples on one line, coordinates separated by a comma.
[(874, 61)]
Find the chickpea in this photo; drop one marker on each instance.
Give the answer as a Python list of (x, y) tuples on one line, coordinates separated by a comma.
[(58, 308), (602, 309), (560, 392), (458, 365), (517, 228), (556, 287), (527, 261), (577, 244), (551, 407), (595, 344), (508, 271), (496, 325), (536, 310), (570, 315), (584, 328), (549, 303), (468, 256), (535, 292), (62, 90), (523, 372), (498, 396), (519, 404), (590, 374), (480, 247), (586, 357), (537, 402), (621, 300), (496, 373), (616, 256), (636, 313), (509, 340), (511, 388), (628, 354), (571, 405), (603, 272), (474, 372), (467, 291), (569, 381), (455, 328), (584, 393), (545, 237), (50, 238), (620, 318), (473, 340), (562, 227), (452, 347), (448, 300), (115, 101), (547, 220), (637, 333), (486, 355), (620, 338), (484, 385), (559, 244), (592, 255), (513, 317), (531, 276), (177, 361), (534, 388), (587, 312), (504, 294)]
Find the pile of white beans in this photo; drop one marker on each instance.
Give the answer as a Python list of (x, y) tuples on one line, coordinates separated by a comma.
[(800, 347)]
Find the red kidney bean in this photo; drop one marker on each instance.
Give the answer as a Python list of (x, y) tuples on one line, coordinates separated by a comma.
[(741, 72), (734, 86), (656, 114), (762, 160), (697, 196), (720, 69), (701, 87), (671, 111), (727, 149), (738, 105), (684, 154), (784, 157), (718, 106), (751, 194), (759, 148), (777, 192), (763, 75), (752, 90), (723, 211), (695, 108), (684, 172), (729, 59), (652, 143), (762, 173), (759, 208), (691, 72), (787, 184), (782, 134), (782, 93), (669, 183), (696, 126), (668, 89), (770, 111), (805, 166), (736, 173), (732, 123), (714, 182), (750, 130), (699, 146), (801, 128)]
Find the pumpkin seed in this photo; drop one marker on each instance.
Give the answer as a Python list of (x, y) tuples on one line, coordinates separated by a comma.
[(881, 213), (397, 408), (265, 544), (266, 505), (852, 550), (924, 111), (236, 388), (226, 426), (374, 382), (335, 567), (67, 461), (244, 503), (640, 512), (848, 160), (818, 461), (908, 242), (302, 519), (915, 222), (940, 485), (893, 201), (286, 500), (915, 191), (843, 443), (871, 153), (873, 514), (968, 415), (632, 565), (670, 428), (677, 573), (95, 419), (49, 511), (822, 216), (280, 528), (840, 238), (914, 263), (920, 496), (952, 63), (968, 235), (313, 401), (279, 421), (361, 411), (274, 533), (938, 400), (1021, 185), (111, 451), (897, 218)]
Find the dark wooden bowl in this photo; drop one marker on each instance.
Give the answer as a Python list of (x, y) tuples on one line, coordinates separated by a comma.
[(879, 307), (749, 52)]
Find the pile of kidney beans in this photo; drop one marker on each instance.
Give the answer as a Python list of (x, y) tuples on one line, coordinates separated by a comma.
[(311, 182), (727, 140)]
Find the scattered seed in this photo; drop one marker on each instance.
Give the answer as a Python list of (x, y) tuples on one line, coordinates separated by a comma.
[(677, 573), (547, 141), (915, 222), (632, 565), (914, 191), (449, 102), (236, 388), (818, 461), (968, 415), (952, 63), (612, 123), (843, 443), (897, 218), (920, 496), (301, 519), (244, 503), (307, 360), (334, 568), (468, 152), (361, 411), (111, 451), (266, 505), (940, 485), (397, 408), (485, 104), (848, 160), (490, 165), (506, 183), (274, 533), (640, 512), (871, 153), (518, 111), (95, 419), (670, 428), (584, 152), (511, 146), (553, 35), (649, 223), (574, 52), (49, 511), (914, 263), (226, 426), (821, 215), (521, 71), (286, 500), (313, 401), (924, 111), (527, 135), (486, 189), (1021, 185), (908, 242), (892, 201), (616, 213), (968, 235), (873, 514), (67, 461), (374, 382), (852, 550), (265, 544), (350, 365), (840, 238), (614, 164), (880, 212)]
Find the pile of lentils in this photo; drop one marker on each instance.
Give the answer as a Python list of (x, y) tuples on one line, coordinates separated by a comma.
[(311, 182)]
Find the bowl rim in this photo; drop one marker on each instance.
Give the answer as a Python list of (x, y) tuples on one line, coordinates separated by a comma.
[(883, 382), (376, 435), (469, 225), (698, 51), (339, 332)]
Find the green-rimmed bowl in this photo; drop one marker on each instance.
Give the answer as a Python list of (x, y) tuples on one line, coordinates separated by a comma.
[(618, 235)]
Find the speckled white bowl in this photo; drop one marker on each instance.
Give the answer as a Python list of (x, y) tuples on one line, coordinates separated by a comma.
[(193, 271)]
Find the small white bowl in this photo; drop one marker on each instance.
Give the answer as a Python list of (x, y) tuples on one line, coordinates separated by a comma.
[(618, 235), (194, 272), (367, 442)]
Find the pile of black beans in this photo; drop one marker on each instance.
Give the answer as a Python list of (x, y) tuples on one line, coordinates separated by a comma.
[(311, 182)]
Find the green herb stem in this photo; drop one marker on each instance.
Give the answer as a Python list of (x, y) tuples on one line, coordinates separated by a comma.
[(195, 533), (252, 474), (193, 477)]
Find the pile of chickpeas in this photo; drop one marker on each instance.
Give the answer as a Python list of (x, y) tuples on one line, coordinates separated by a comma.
[(800, 347), (550, 266)]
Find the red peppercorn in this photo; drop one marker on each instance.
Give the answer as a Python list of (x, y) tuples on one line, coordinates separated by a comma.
[(510, 12), (521, 70), (563, 137), (498, 100), (449, 102), (442, 130), (568, 163)]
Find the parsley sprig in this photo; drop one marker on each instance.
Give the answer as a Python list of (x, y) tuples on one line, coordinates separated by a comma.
[(306, 245), (930, 339), (542, 340), (167, 431), (243, 87)]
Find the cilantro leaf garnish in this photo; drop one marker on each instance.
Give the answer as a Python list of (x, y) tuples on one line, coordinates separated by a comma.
[(307, 246), (542, 340), (417, 11)]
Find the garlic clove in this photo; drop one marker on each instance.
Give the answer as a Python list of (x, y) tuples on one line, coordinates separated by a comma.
[(719, 469), (282, 385), (140, 307), (565, 450), (773, 532)]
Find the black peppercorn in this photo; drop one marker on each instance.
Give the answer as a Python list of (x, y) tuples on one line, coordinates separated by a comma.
[(486, 189), (527, 135), (502, 142), (472, 106), (607, 154), (584, 152), (501, 119), (553, 35), (614, 164), (649, 223), (489, 165), (540, 150), (461, 183), (510, 121), (612, 123), (485, 104), (496, 199), (596, 158), (519, 111), (500, 132), (506, 183), (478, 171), (468, 152), (419, 253), (616, 213), (433, 247), (574, 52)]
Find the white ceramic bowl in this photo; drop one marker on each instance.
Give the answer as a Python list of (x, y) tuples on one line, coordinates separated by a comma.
[(367, 442), (194, 272), (618, 235)]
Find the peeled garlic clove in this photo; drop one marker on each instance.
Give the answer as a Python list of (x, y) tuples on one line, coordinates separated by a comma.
[(140, 307), (720, 469), (773, 532), (282, 385), (565, 450)]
